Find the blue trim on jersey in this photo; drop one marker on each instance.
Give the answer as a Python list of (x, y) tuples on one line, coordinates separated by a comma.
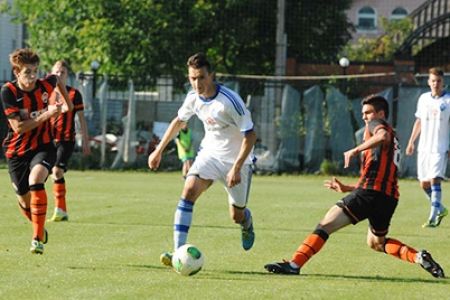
[(207, 100), (234, 101)]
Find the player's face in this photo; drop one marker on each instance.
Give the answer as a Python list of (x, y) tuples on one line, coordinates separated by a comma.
[(27, 77), (61, 71), (436, 84), (369, 113), (202, 81)]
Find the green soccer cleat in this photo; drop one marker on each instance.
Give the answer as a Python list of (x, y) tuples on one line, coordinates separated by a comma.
[(37, 247), (441, 215), (248, 237), (429, 224), (59, 216), (166, 259)]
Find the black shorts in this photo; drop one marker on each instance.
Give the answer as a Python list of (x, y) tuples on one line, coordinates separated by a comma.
[(19, 167), (375, 206), (64, 150)]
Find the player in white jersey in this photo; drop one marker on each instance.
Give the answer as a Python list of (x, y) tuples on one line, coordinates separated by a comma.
[(225, 152), (432, 124)]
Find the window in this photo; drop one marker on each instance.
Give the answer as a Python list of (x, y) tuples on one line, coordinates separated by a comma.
[(367, 19), (398, 13)]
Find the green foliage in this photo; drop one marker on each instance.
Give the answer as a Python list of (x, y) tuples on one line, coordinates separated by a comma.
[(120, 222), (328, 167), (145, 39), (382, 48)]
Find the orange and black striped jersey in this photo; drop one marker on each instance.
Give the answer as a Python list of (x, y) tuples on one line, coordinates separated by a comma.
[(63, 126), (26, 105), (379, 165)]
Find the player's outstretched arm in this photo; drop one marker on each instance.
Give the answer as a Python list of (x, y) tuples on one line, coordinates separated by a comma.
[(154, 158), (337, 186)]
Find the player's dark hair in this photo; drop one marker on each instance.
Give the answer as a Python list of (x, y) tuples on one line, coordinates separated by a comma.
[(378, 103), (436, 71), (198, 61), (21, 57)]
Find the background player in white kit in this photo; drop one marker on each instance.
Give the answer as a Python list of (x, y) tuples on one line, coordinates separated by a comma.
[(224, 155), (432, 124)]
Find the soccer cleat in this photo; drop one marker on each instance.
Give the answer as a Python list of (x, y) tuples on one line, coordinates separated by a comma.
[(59, 216), (248, 237), (441, 215), (429, 224), (166, 258), (282, 268), (37, 247), (427, 262)]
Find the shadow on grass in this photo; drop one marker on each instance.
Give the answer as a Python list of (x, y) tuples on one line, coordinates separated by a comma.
[(375, 278)]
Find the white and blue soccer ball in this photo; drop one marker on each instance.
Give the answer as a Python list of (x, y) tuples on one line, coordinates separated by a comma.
[(187, 260)]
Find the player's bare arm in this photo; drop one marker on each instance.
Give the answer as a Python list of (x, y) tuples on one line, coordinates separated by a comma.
[(414, 134), (381, 136), (234, 175), (337, 186), (154, 158), (21, 126)]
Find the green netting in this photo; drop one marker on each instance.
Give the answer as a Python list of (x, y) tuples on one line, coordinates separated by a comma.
[(289, 131), (407, 101), (341, 129), (315, 137)]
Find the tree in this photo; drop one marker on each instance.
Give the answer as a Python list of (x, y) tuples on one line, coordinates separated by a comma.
[(382, 48), (145, 39)]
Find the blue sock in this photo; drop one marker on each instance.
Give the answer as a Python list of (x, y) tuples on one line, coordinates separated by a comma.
[(435, 201), (428, 192), (247, 219), (182, 222)]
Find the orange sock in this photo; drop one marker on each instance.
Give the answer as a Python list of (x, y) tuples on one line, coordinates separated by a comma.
[(311, 245), (38, 210), (25, 211), (400, 250), (59, 190)]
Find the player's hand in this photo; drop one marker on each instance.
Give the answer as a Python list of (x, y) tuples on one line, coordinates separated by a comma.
[(233, 178), (154, 159), (409, 149), (335, 185), (348, 156), (54, 109)]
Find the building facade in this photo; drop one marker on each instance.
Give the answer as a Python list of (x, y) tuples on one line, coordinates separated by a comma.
[(11, 38), (365, 14)]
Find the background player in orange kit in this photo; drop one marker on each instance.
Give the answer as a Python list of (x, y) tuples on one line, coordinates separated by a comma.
[(28, 145)]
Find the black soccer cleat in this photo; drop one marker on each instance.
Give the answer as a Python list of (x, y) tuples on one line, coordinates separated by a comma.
[(282, 268), (432, 267)]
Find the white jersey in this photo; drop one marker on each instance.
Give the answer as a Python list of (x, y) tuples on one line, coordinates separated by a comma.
[(225, 119), (434, 115)]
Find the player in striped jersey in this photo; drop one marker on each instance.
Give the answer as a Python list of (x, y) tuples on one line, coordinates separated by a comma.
[(225, 151), (28, 145), (63, 127), (374, 197), (432, 124)]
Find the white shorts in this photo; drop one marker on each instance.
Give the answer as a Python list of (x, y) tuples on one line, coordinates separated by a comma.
[(207, 167), (431, 165)]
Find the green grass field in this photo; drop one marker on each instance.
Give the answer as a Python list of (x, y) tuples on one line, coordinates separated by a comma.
[(121, 221)]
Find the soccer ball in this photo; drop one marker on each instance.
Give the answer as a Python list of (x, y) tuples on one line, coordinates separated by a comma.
[(187, 260)]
